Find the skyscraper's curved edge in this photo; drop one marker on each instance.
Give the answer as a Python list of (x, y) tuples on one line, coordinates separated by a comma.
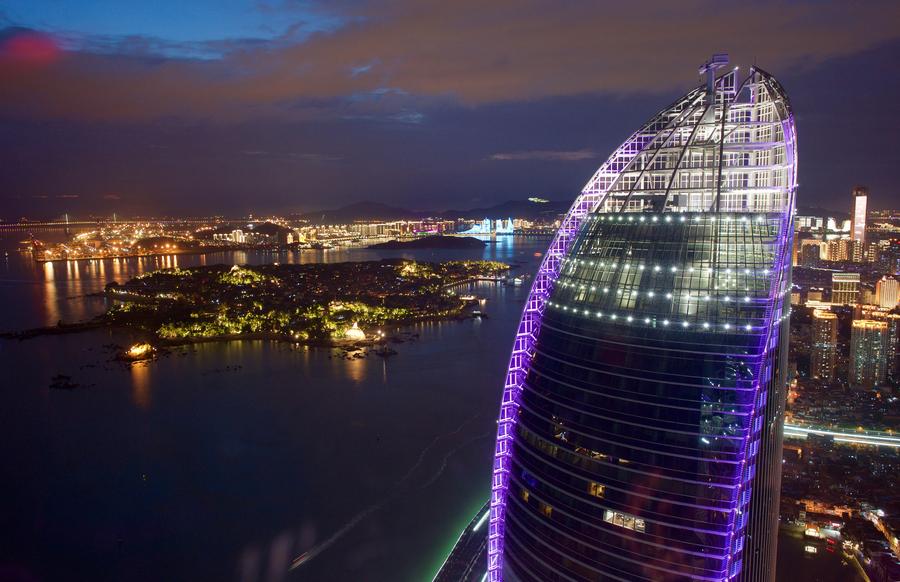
[(604, 192)]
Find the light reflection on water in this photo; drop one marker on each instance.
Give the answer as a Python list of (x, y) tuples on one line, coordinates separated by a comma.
[(46, 304), (140, 385)]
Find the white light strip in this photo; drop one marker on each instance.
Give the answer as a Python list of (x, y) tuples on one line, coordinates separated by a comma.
[(482, 520), (732, 272), (792, 430), (687, 296), (649, 321), (629, 217)]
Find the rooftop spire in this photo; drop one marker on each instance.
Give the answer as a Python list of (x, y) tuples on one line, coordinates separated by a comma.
[(717, 61)]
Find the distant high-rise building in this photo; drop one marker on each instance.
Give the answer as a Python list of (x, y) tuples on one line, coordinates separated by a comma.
[(867, 295), (857, 251), (887, 292), (869, 345), (872, 252), (860, 201), (640, 427), (845, 288), (837, 250), (810, 254), (893, 337), (893, 355), (824, 344), (844, 250)]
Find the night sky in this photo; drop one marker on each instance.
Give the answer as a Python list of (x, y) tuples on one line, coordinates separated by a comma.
[(228, 107)]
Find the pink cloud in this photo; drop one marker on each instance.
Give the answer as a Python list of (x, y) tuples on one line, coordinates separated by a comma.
[(29, 48)]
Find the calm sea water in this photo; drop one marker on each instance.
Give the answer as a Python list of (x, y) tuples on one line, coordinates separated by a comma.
[(224, 461)]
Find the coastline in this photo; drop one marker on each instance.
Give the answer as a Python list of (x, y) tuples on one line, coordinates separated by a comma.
[(101, 322), (204, 251)]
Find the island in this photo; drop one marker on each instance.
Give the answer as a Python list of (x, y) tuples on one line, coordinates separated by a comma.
[(436, 241), (314, 304)]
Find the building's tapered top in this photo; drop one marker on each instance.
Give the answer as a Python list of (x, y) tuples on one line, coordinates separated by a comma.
[(733, 151)]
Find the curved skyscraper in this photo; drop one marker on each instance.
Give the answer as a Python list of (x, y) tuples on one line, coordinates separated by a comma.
[(640, 429)]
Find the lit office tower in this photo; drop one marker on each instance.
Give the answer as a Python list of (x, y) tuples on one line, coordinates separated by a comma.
[(893, 354), (640, 426), (824, 344), (868, 352), (887, 292), (838, 250), (844, 249), (845, 288), (860, 198), (892, 320)]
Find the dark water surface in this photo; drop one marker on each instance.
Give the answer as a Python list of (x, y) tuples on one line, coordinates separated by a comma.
[(224, 461)]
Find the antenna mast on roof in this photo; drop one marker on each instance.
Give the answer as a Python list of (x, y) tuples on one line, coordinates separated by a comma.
[(709, 68)]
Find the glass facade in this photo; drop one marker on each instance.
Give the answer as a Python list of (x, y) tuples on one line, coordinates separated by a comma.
[(640, 429)]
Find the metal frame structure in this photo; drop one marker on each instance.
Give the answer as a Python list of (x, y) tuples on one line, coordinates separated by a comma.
[(725, 146)]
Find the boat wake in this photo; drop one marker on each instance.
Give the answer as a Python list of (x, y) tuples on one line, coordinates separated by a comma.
[(449, 454), (398, 487)]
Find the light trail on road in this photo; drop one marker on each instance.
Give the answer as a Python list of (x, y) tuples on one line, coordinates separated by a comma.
[(875, 438)]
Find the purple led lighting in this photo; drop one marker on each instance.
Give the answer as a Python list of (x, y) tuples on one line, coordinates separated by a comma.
[(764, 372), (515, 375), (592, 196)]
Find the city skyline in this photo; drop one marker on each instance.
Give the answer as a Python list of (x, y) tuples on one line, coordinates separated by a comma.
[(309, 290), (220, 118)]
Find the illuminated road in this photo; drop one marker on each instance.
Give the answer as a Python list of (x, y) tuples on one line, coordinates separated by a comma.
[(467, 561), (862, 437)]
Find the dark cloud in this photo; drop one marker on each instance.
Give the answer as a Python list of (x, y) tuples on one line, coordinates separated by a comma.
[(425, 104), (465, 50)]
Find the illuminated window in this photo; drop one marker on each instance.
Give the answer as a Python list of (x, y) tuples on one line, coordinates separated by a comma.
[(525, 495), (624, 520), (597, 490), (546, 510)]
